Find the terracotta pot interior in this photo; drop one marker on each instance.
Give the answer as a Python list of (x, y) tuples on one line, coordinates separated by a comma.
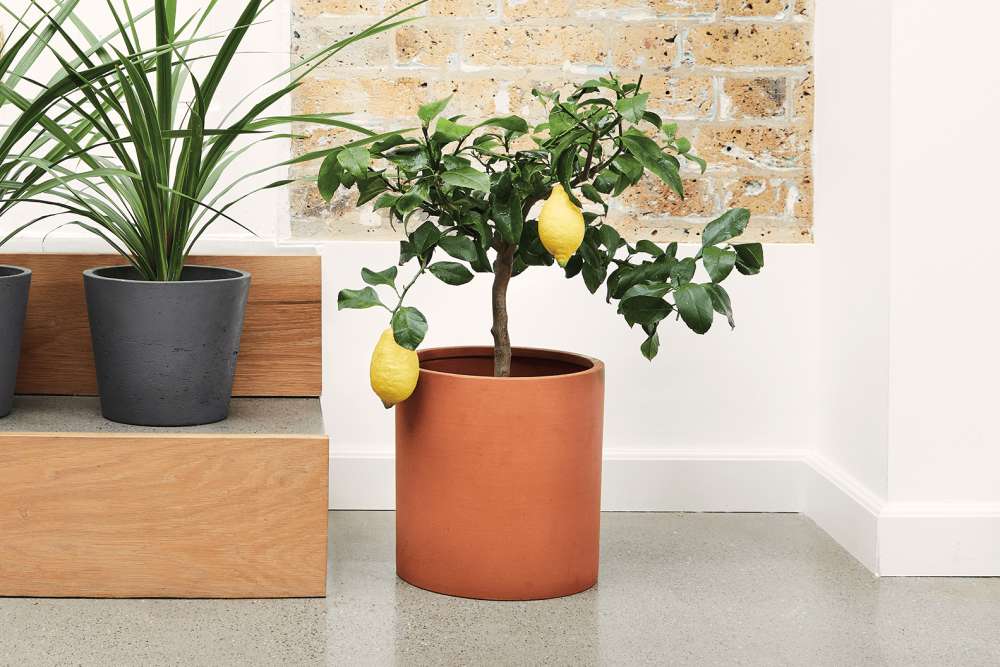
[(481, 365)]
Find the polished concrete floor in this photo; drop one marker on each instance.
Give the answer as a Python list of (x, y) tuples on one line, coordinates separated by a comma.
[(675, 589)]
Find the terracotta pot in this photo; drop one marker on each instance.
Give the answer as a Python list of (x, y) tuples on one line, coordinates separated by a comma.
[(498, 480)]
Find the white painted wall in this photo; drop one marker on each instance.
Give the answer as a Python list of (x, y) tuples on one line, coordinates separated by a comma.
[(852, 236), (945, 361)]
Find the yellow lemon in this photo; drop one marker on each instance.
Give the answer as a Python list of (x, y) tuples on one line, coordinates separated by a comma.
[(394, 370), (561, 226)]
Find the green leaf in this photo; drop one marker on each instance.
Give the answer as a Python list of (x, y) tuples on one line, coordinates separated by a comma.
[(369, 189), (574, 266), (645, 310), (610, 238), (412, 200), (594, 275), (565, 165), (649, 248), (651, 347), (721, 302), (509, 123), (628, 166), (452, 162), (390, 142), (509, 218), (431, 110), (719, 263), (749, 258), (590, 250), (385, 201), (467, 177), (646, 151), (729, 225), (355, 160), (606, 182), (409, 327), (632, 108), (448, 131), (387, 277), (694, 303), (645, 290), (424, 238), (358, 298), (653, 119), (591, 193), (683, 271), (697, 160), (459, 247), (452, 273), (328, 180)]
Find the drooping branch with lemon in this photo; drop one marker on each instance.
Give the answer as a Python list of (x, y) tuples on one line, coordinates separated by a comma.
[(469, 191)]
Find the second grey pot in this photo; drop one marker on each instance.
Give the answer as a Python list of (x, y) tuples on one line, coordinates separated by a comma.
[(15, 284), (166, 351)]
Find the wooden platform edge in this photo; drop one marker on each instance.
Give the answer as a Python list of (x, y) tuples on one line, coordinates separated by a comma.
[(213, 516)]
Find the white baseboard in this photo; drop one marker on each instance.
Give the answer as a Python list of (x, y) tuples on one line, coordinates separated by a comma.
[(634, 481), (701, 481), (890, 539), (843, 507), (939, 540), (362, 480)]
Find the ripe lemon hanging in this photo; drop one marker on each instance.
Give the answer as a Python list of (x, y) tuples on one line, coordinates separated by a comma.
[(561, 226), (394, 370)]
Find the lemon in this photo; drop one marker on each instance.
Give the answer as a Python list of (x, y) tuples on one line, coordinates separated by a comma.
[(394, 370), (561, 226)]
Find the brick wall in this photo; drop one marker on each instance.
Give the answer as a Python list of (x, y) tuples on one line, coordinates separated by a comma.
[(735, 74)]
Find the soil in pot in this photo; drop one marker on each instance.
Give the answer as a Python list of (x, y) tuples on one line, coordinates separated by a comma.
[(166, 352), (15, 284), (498, 480)]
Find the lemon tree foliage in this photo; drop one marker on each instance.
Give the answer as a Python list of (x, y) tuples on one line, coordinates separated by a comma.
[(463, 195)]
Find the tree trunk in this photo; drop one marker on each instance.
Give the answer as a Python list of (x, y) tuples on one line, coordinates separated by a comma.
[(502, 269)]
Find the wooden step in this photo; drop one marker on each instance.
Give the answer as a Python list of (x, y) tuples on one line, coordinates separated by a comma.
[(89, 508)]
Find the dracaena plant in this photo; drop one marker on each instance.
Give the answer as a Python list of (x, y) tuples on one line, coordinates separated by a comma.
[(468, 192), (41, 139), (158, 170)]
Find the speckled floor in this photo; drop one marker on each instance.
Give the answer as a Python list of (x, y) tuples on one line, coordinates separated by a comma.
[(676, 589)]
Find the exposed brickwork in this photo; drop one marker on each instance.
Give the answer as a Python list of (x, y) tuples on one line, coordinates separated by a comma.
[(736, 75)]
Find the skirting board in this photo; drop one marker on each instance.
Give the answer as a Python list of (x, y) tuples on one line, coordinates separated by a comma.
[(890, 539)]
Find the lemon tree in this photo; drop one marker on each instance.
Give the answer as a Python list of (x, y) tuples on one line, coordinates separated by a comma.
[(463, 194)]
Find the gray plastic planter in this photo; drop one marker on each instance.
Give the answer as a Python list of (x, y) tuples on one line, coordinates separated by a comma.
[(14, 285), (166, 351)]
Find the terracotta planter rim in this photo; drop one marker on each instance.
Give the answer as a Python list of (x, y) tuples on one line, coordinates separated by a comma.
[(588, 365)]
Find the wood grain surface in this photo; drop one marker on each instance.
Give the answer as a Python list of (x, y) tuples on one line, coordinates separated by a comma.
[(163, 516), (281, 349)]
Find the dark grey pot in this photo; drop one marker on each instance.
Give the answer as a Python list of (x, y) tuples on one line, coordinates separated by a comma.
[(14, 285), (166, 351)]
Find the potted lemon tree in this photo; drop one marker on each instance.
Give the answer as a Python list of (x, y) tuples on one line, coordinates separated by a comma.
[(498, 450), (157, 172)]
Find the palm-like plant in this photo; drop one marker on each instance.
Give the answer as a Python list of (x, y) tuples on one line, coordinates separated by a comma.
[(45, 136), (163, 181)]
